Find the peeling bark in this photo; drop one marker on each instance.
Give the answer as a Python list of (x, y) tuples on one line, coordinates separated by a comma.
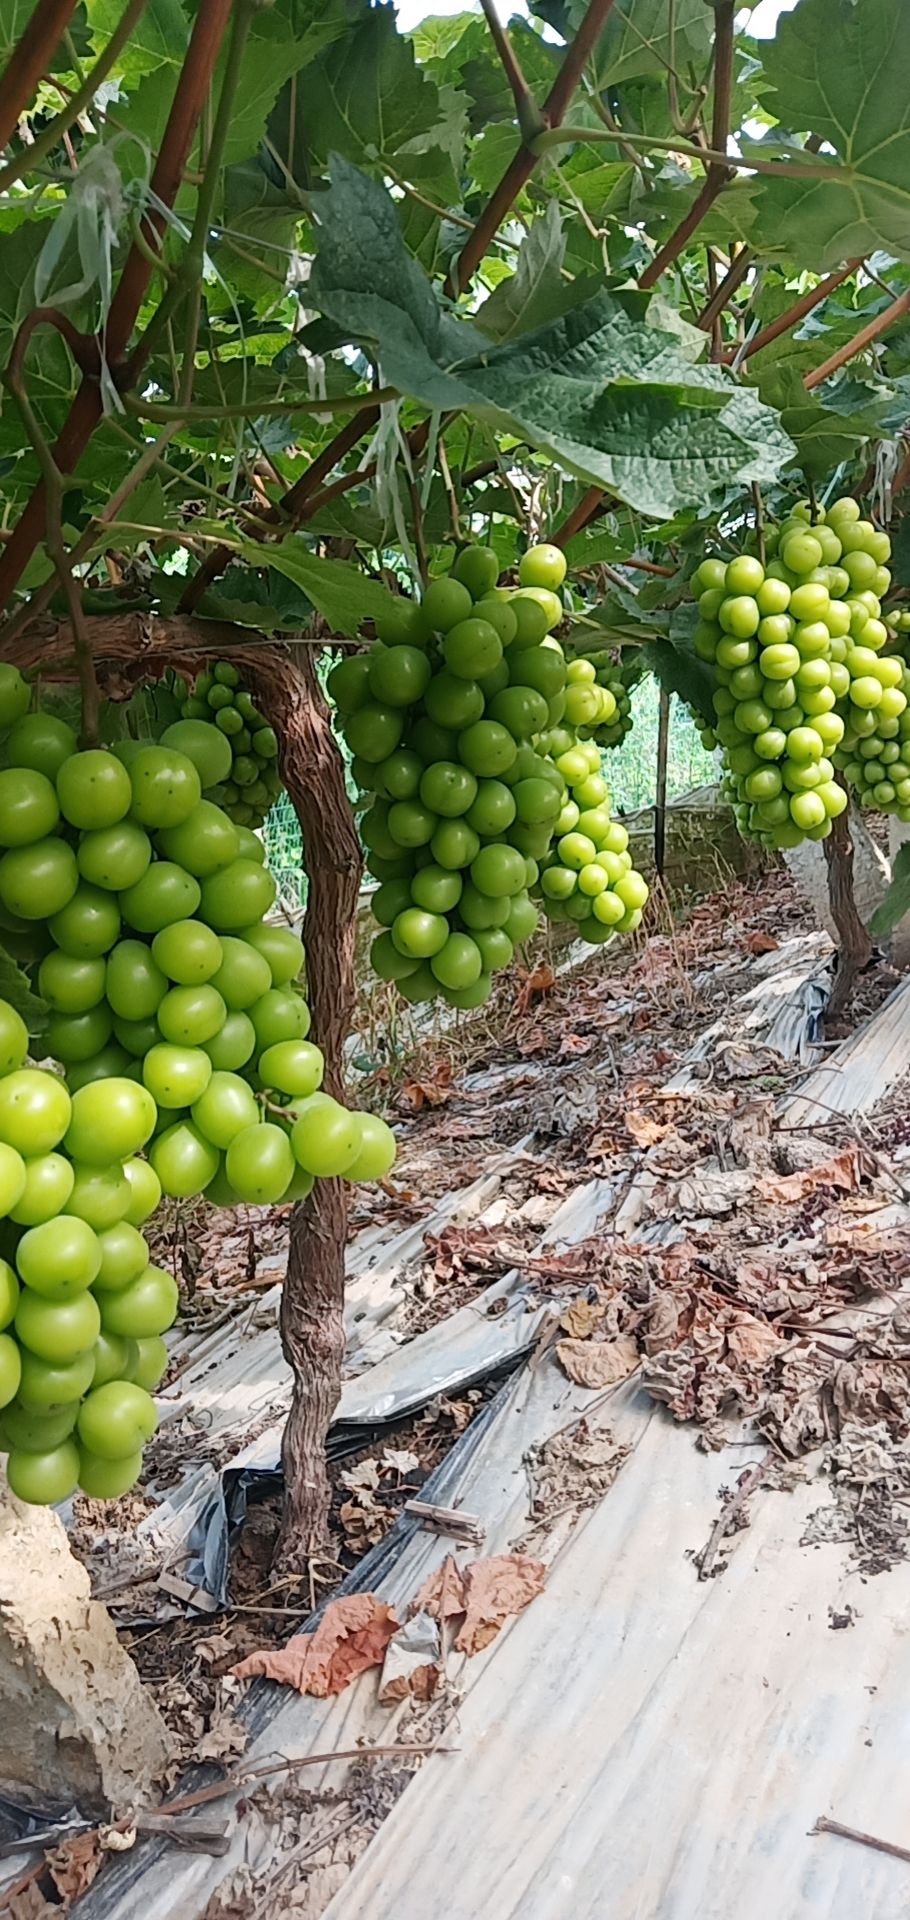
[(855, 949)]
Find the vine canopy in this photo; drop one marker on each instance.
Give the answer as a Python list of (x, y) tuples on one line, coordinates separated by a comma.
[(391, 279)]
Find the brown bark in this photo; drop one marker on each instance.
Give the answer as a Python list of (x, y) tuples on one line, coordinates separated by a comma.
[(285, 687), (855, 949), (312, 1301), (29, 59)]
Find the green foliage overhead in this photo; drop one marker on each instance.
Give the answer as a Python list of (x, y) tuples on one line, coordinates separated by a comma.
[(355, 164)]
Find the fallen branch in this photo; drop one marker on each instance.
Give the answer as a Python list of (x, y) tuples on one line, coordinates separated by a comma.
[(730, 1512), (824, 1825)]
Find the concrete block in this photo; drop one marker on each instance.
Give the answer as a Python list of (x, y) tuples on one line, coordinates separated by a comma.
[(78, 1726)]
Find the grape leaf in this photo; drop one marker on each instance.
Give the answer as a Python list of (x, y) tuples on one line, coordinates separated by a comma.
[(158, 38), (679, 669), (609, 394), (15, 989), (821, 435), (536, 291), (337, 588), (896, 902), (647, 36), (839, 70), (366, 99)]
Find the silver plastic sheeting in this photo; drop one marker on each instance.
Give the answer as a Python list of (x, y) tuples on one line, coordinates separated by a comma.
[(782, 1012), (639, 1743), (857, 1075)]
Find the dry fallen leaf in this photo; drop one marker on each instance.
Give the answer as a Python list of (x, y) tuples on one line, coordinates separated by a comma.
[(539, 981), (761, 943), (74, 1864), (29, 1904), (752, 1342), (581, 1316), (495, 1589), (226, 1739), (598, 1363), (845, 1173), (443, 1592), (351, 1637), (645, 1131)]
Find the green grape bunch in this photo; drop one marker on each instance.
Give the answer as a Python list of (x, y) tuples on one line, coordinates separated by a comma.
[(248, 782), (801, 680), (445, 718), (175, 1061)]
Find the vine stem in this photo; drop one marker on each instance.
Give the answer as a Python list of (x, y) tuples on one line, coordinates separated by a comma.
[(251, 409), (525, 103), (47, 139), (522, 166), (86, 410), (865, 338), (718, 165), (29, 59), (589, 504), (806, 304), (732, 280), (784, 169)]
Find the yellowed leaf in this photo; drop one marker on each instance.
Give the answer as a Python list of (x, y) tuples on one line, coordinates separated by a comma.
[(645, 1131), (581, 1316), (598, 1363), (495, 1589)]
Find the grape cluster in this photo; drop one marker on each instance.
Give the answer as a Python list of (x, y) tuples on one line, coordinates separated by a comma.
[(441, 716), (588, 876), (617, 677), (876, 761), (247, 782), (174, 1015), (795, 644)]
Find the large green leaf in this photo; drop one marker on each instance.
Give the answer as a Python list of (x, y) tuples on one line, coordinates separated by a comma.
[(646, 36), (366, 98), (337, 588), (821, 435), (158, 38), (610, 395), (839, 70)]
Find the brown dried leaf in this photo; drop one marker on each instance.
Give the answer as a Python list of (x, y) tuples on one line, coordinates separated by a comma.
[(443, 1594), (351, 1637), (29, 1904), (752, 1342), (844, 1173), (645, 1131), (663, 1323), (539, 981), (74, 1864), (495, 1589), (761, 943), (226, 1740), (598, 1363), (581, 1316), (573, 1043)]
